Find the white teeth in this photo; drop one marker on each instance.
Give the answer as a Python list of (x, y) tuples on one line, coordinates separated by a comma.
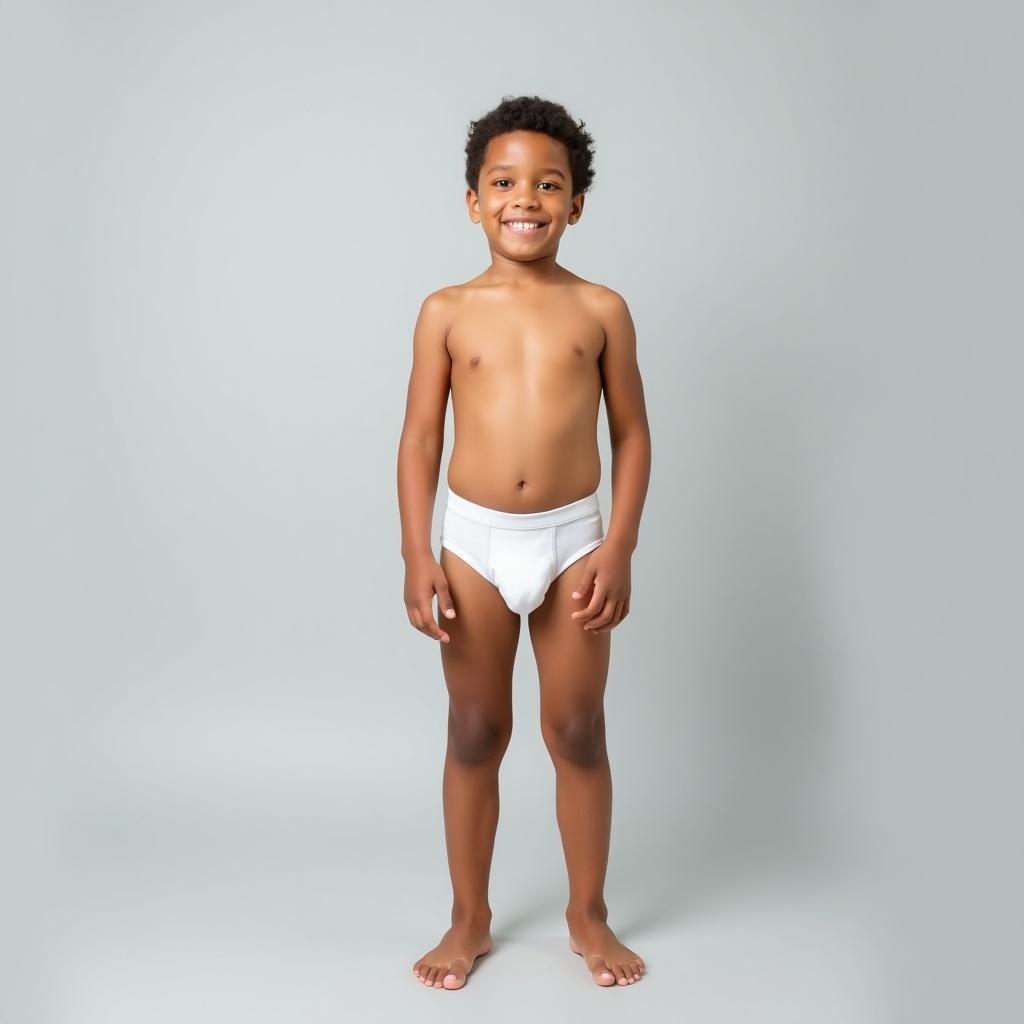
[(522, 225)]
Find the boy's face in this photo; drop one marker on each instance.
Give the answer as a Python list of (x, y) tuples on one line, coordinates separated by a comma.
[(525, 176)]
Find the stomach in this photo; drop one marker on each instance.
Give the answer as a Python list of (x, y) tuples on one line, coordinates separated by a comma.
[(520, 475)]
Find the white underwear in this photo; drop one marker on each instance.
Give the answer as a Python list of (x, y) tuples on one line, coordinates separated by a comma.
[(521, 553)]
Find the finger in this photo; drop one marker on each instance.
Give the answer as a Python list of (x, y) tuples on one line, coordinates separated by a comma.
[(596, 604), (444, 599), (625, 608), (586, 578), (603, 617), (597, 621), (430, 627), (616, 617)]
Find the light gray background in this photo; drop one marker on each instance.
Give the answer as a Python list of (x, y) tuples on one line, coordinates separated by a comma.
[(224, 741)]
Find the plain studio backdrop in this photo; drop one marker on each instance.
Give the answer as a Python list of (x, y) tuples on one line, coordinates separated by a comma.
[(223, 740)]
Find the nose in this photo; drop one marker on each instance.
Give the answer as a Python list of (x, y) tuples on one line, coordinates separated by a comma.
[(525, 198)]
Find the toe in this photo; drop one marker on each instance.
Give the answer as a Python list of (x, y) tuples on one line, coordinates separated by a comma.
[(456, 977), (602, 973), (620, 974)]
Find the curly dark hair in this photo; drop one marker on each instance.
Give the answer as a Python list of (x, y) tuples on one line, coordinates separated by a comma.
[(533, 114)]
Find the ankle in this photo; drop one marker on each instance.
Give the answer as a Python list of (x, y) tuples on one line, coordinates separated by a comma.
[(587, 910), (475, 915)]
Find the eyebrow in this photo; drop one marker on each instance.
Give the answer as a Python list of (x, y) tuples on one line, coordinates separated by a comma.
[(509, 167)]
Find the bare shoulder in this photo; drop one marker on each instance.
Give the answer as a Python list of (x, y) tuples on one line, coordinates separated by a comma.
[(605, 301), (437, 313), (611, 311), (441, 302)]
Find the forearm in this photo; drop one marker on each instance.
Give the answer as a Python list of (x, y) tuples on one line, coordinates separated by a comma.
[(418, 466), (631, 473)]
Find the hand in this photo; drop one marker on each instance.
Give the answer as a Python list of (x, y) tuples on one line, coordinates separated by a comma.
[(423, 578), (608, 569)]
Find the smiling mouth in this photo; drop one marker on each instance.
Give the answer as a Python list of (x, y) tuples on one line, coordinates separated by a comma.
[(524, 227)]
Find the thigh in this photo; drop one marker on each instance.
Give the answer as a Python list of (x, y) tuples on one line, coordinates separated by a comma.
[(479, 658), (572, 663)]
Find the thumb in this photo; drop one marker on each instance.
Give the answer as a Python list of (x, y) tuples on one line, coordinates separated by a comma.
[(444, 599), (585, 580)]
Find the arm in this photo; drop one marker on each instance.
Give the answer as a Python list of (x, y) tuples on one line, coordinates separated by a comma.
[(607, 569), (419, 460), (422, 440), (627, 422)]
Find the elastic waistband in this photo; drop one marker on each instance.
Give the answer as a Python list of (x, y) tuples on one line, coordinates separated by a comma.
[(522, 520)]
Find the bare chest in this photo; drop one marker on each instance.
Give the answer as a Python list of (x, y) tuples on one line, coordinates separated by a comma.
[(536, 343)]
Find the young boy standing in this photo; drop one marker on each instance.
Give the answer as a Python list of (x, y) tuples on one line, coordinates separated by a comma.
[(526, 348)]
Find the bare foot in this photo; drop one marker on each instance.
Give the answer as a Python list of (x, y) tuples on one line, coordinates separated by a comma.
[(607, 959), (448, 963)]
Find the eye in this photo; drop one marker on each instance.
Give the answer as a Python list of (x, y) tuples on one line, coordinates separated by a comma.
[(504, 181)]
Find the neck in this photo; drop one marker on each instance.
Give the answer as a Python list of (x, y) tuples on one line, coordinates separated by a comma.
[(506, 271)]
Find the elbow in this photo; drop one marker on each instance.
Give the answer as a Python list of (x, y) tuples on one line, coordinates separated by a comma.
[(639, 434), (429, 443)]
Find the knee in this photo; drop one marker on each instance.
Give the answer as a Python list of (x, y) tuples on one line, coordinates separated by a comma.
[(577, 737), (475, 736)]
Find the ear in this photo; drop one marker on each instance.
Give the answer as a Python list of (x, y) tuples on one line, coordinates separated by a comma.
[(576, 208), (473, 205)]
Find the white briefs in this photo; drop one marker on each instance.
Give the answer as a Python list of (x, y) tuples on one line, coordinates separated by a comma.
[(521, 553)]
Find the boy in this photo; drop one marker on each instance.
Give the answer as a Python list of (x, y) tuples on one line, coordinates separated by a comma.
[(526, 349)]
